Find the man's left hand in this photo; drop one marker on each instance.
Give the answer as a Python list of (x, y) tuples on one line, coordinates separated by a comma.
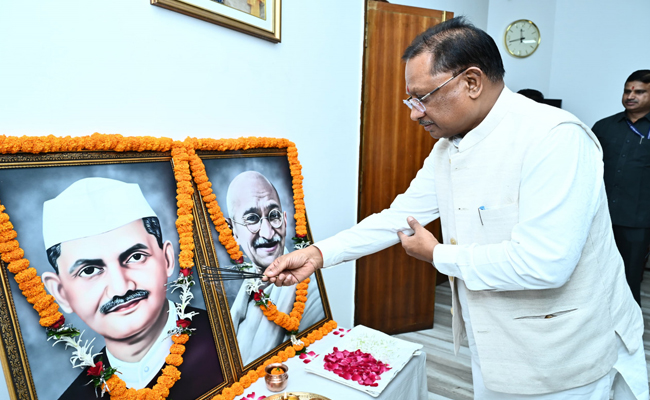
[(420, 245)]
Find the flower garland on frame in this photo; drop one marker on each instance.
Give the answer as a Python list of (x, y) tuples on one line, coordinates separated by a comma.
[(183, 155), (33, 288), (290, 322)]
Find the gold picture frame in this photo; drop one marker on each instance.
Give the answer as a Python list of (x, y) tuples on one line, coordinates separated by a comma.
[(30, 361), (260, 19)]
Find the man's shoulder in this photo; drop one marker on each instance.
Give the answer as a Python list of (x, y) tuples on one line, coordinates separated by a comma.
[(614, 118)]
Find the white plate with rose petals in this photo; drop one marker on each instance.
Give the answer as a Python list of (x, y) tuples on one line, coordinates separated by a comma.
[(364, 359)]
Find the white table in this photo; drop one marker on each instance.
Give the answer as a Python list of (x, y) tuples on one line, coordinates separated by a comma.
[(410, 383)]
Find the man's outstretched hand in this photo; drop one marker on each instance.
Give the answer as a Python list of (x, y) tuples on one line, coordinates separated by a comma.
[(294, 267), (420, 245)]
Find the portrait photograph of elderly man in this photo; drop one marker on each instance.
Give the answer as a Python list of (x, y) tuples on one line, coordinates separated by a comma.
[(257, 201), (110, 256)]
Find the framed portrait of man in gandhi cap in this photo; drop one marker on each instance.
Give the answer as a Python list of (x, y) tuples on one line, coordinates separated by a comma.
[(254, 191), (100, 230)]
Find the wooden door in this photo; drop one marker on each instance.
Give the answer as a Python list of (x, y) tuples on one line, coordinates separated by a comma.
[(394, 292)]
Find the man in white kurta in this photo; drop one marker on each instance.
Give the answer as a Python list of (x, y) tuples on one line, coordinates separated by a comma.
[(538, 285)]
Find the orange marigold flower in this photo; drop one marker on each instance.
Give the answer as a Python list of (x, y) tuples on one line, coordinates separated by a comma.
[(49, 321), (275, 359), (13, 255), (7, 235), (161, 390), (298, 347), (165, 380), (115, 385), (143, 393), (177, 349), (8, 246), (180, 339), (172, 372), (238, 388), (245, 381), (252, 376), (228, 393), (18, 265), (174, 359), (44, 302), (34, 291)]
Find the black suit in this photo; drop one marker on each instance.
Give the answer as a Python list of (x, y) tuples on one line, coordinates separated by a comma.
[(200, 370), (627, 182)]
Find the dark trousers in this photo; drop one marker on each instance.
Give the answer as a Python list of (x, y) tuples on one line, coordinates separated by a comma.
[(633, 244)]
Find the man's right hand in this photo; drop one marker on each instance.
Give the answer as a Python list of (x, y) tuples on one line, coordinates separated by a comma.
[(294, 267)]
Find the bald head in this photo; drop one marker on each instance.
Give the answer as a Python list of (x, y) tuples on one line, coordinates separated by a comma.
[(258, 223)]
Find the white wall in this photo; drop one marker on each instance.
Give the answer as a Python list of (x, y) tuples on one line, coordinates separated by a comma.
[(598, 44), (588, 49), (531, 72), (74, 67)]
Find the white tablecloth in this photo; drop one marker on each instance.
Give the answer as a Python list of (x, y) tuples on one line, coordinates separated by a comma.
[(410, 383)]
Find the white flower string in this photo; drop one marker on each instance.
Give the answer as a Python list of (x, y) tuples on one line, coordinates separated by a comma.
[(296, 341), (82, 354), (184, 283)]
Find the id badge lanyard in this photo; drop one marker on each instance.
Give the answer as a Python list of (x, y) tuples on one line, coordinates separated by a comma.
[(629, 123)]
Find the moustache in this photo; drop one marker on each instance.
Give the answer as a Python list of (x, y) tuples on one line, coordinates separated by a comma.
[(117, 301), (262, 242), (425, 123)]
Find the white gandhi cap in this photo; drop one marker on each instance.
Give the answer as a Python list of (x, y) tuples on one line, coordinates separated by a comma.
[(92, 206)]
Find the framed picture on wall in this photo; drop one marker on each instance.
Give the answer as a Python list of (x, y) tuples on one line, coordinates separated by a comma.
[(257, 197), (261, 18), (100, 230)]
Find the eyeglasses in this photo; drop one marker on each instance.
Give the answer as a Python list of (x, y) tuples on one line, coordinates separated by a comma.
[(253, 221), (417, 102)]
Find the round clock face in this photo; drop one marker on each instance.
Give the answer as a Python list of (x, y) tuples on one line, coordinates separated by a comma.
[(522, 38)]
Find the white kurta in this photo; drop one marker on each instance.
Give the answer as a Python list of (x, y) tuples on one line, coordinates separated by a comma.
[(256, 335), (566, 172)]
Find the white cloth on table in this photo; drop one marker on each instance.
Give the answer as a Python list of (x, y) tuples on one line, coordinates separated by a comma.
[(409, 384)]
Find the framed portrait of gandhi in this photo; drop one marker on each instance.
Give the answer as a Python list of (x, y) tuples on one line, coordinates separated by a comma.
[(261, 18), (254, 191), (99, 228)]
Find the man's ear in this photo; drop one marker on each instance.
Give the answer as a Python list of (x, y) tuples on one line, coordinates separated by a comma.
[(475, 79), (168, 250), (53, 284)]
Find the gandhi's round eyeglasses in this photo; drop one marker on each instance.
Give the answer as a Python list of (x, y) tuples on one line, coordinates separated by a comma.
[(253, 222), (417, 102)]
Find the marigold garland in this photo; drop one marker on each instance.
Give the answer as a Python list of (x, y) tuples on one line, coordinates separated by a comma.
[(252, 376), (290, 322), (185, 158)]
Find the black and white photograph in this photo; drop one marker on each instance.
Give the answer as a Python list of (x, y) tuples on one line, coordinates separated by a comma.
[(256, 197), (103, 239)]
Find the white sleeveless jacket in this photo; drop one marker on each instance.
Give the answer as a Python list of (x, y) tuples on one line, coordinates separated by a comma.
[(531, 341)]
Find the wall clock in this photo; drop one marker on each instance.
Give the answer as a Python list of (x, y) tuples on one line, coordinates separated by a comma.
[(522, 38)]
